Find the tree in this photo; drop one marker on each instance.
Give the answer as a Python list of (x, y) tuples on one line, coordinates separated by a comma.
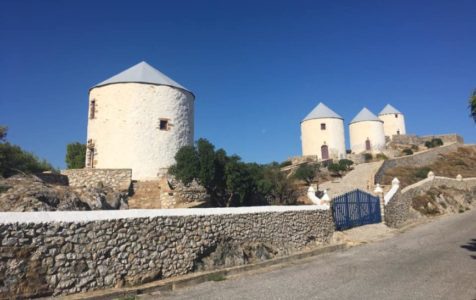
[(472, 105), (3, 133), (14, 160), (75, 155), (306, 172), (336, 168), (206, 157), (187, 166)]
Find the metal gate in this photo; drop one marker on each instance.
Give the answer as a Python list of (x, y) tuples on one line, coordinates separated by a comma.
[(355, 208)]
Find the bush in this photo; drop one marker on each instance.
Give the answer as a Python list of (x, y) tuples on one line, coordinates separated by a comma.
[(436, 142), (15, 160), (285, 163), (407, 151), (228, 180), (306, 172), (75, 155), (415, 148), (345, 164), (336, 169), (368, 157), (422, 173), (381, 156)]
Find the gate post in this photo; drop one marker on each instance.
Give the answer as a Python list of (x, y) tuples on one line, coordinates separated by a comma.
[(379, 191)]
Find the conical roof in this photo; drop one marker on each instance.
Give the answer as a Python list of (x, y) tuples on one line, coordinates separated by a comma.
[(388, 109), (365, 115), (142, 73), (321, 111)]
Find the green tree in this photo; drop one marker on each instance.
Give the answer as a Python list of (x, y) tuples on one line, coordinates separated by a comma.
[(75, 155), (187, 166), (306, 172), (3, 133), (472, 105), (15, 160), (206, 158)]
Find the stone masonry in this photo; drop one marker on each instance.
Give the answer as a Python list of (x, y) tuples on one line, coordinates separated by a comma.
[(119, 179), (398, 209), (70, 252)]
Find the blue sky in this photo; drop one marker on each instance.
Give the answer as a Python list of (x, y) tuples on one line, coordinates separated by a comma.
[(256, 67)]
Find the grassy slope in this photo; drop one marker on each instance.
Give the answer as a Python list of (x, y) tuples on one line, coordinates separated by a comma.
[(462, 161)]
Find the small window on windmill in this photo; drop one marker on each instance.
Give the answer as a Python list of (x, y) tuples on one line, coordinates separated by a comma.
[(92, 109), (396, 115), (164, 124), (323, 126)]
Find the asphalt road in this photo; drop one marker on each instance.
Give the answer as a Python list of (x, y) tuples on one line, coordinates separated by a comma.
[(436, 260)]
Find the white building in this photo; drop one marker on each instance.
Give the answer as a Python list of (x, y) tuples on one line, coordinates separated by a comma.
[(322, 133), (138, 119), (393, 121), (366, 133)]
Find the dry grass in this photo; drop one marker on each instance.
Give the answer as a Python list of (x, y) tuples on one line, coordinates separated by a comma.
[(462, 161)]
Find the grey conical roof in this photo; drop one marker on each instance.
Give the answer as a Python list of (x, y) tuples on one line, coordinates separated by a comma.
[(321, 111), (142, 73), (388, 109), (365, 115)]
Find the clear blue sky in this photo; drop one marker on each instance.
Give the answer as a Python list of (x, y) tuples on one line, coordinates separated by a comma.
[(257, 68)]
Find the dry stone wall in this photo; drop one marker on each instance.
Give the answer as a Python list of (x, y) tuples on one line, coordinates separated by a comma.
[(398, 209), (69, 252), (119, 179)]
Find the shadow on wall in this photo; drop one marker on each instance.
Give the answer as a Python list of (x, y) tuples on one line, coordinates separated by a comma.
[(470, 246)]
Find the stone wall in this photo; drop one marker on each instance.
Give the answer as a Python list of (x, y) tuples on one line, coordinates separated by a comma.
[(446, 138), (68, 252), (418, 140), (119, 179), (416, 160), (398, 209)]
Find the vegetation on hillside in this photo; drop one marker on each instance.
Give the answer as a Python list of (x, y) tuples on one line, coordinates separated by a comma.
[(436, 142), (228, 180), (15, 160), (462, 161), (472, 105), (75, 155)]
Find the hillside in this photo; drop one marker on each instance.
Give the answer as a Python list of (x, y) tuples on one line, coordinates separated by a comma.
[(462, 161)]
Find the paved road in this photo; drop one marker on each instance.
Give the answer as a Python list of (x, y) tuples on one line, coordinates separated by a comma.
[(436, 260)]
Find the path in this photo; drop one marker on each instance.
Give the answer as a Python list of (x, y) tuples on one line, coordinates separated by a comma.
[(359, 177), (436, 260)]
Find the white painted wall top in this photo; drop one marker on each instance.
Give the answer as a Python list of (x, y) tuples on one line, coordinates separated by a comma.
[(389, 109), (321, 111), (99, 215), (142, 73), (365, 115)]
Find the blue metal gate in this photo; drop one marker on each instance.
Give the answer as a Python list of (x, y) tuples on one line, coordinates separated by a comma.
[(355, 208)]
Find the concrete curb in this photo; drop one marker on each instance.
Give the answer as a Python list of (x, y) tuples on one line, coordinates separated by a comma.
[(196, 278)]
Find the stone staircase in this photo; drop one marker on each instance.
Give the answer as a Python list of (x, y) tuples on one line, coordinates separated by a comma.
[(146, 195), (361, 177)]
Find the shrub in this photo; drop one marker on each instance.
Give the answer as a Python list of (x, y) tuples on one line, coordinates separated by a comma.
[(75, 155), (436, 142), (335, 169), (407, 151), (381, 156), (415, 148), (368, 157), (13, 160), (228, 180), (422, 172), (345, 164), (285, 163)]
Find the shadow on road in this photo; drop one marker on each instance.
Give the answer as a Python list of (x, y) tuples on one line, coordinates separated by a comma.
[(471, 246)]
